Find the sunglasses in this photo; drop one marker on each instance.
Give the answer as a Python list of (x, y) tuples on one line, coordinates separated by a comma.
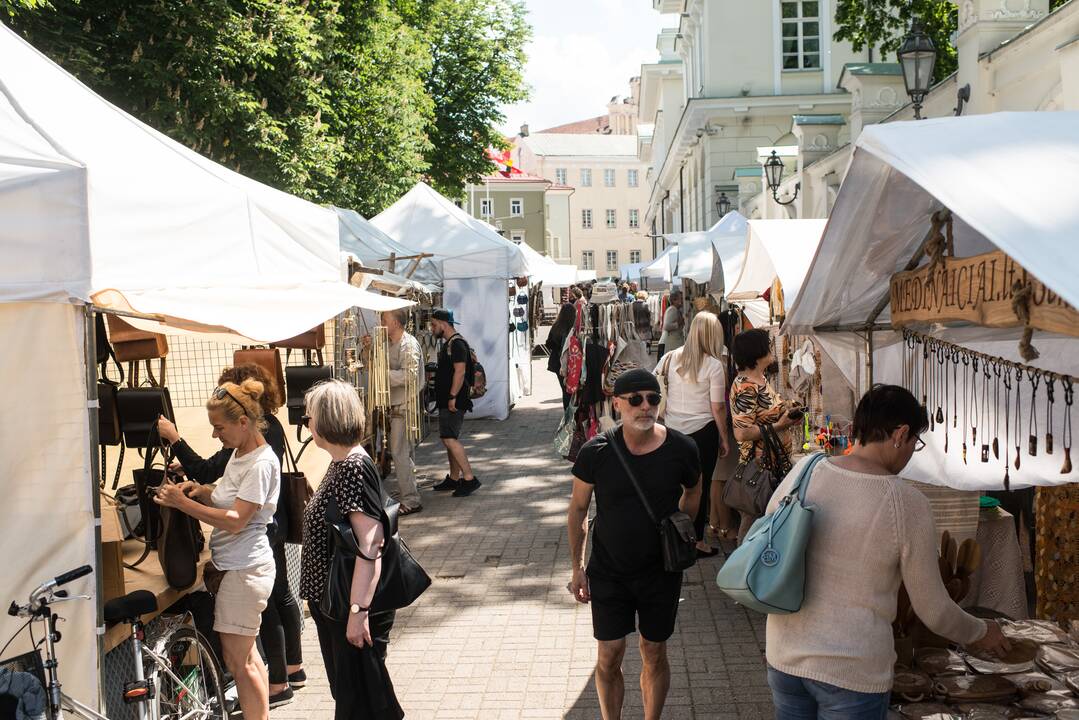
[(305, 420), (636, 399), (221, 393)]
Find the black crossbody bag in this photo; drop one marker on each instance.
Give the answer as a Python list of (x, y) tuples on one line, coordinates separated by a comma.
[(677, 537)]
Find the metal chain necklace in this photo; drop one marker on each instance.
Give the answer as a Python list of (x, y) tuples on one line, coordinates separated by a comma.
[(1032, 442)]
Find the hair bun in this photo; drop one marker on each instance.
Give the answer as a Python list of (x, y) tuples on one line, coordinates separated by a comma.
[(252, 388)]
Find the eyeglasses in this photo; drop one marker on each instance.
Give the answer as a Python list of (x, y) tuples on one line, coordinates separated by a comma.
[(636, 399), (919, 444), (221, 393), (305, 420)]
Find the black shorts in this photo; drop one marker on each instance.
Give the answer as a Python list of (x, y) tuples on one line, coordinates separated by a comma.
[(648, 604), (449, 423)]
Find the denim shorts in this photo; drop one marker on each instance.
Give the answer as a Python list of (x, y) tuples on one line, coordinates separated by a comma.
[(798, 698)]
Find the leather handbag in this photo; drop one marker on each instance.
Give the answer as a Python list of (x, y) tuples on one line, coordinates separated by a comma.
[(677, 538), (270, 361), (401, 580), (767, 571), (296, 493), (313, 339), (108, 414), (298, 380), (751, 487), (132, 344), (178, 548), (139, 409)]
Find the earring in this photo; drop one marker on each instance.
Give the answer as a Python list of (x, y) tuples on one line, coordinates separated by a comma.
[(897, 446)]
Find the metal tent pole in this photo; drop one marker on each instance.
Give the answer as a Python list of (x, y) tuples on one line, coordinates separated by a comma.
[(90, 358)]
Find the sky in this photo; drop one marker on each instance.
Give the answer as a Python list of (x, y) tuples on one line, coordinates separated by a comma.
[(582, 53)]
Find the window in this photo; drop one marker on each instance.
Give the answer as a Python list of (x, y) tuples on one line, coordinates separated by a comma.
[(517, 207), (611, 220), (586, 177), (608, 178), (801, 34), (631, 178), (560, 176), (634, 218), (634, 256), (588, 262), (485, 207), (586, 219), (612, 259), (517, 236)]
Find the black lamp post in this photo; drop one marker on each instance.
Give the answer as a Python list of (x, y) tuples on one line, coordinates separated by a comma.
[(918, 57), (723, 204), (773, 175)]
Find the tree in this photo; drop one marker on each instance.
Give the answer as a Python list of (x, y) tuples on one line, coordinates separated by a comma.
[(478, 59), (883, 24)]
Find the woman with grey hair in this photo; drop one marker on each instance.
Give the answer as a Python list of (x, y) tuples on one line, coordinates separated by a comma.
[(354, 651)]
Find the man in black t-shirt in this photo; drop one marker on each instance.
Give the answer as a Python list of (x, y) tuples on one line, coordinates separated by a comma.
[(453, 395), (625, 580)]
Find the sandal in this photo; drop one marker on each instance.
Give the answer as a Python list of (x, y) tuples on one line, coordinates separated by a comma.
[(409, 511)]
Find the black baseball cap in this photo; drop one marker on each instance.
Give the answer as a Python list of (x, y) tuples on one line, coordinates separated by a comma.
[(444, 315)]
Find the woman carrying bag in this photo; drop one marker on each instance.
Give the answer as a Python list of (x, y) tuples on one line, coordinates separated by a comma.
[(354, 650), (834, 657), (695, 386), (556, 342)]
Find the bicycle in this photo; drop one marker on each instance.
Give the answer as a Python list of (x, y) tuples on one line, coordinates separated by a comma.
[(177, 676)]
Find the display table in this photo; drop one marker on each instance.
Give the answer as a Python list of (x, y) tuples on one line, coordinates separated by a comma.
[(998, 584)]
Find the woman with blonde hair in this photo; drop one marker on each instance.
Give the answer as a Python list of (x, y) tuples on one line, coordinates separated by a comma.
[(239, 508), (696, 386)]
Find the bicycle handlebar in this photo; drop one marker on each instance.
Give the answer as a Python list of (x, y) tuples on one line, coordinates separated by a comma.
[(65, 578)]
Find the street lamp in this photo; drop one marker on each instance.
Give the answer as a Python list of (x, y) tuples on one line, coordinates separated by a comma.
[(918, 56), (773, 175), (723, 203)]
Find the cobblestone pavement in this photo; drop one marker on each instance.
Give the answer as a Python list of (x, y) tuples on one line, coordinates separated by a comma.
[(498, 636)]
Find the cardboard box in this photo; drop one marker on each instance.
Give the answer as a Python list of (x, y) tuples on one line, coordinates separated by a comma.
[(112, 552)]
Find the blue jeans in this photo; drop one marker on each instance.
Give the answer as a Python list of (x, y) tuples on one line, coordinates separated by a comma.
[(797, 698)]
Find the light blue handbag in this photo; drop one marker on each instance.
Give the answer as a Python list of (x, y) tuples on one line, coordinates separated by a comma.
[(767, 571)]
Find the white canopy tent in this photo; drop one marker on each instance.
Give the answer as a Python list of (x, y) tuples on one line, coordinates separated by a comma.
[(476, 264), (775, 249), (99, 208), (712, 256), (980, 168), (372, 247), (543, 269), (663, 267)]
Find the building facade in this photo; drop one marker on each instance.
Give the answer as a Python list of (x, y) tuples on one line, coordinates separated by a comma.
[(734, 81), (1024, 59), (516, 206)]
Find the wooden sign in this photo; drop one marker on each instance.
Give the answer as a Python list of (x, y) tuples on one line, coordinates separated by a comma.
[(977, 290)]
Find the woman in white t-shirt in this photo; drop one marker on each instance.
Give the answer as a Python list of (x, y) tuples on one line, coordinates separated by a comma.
[(696, 391), (238, 507)]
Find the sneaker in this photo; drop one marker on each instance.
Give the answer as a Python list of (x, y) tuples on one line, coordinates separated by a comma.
[(297, 679), (282, 698), (467, 487), (447, 484)]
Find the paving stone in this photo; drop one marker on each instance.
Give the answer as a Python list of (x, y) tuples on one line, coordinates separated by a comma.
[(498, 637)]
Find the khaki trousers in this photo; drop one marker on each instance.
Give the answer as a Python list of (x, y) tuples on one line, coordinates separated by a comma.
[(404, 465)]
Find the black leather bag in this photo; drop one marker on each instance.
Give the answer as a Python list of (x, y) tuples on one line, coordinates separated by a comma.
[(178, 548), (298, 380), (401, 581), (753, 483), (139, 408), (108, 413), (677, 537)]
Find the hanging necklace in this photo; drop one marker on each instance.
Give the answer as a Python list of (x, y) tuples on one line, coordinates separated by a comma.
[(955, 385), (966, 403), (1050, 383), (1032, 442), (1018, 413), (925, 368), (974, 402), (985, 411), (996, 412), (1066, 430), (941, 378), (1007, 425)]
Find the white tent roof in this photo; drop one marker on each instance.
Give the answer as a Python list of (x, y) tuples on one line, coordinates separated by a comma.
[(662, 267), (98, 206), (777, 248), (361, 239), (546, 270), (1008, 178), (704, 256), (424, 221)]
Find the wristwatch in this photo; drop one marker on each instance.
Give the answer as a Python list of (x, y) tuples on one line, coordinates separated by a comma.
[(356, 609)]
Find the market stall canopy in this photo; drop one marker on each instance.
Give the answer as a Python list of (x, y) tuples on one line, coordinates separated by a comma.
[(586, 275), (777, 249), (546, 270), (1009, 180), (99, 207), (632, 271), (711, 256), (424, 221), (372, 247), (662, 268)]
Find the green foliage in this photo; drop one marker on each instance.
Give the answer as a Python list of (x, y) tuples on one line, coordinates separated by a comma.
[(340, 101), (883, 24)]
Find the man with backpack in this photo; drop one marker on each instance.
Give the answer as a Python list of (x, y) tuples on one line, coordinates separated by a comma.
[(454, 378)]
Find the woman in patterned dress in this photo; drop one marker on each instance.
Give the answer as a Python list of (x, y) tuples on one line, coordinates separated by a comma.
[(354, 651), (754, 403)]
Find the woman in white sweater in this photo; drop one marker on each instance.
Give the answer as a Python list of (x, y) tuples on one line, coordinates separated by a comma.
[(871, 530)]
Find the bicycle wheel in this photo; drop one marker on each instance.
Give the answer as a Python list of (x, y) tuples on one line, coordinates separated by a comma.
[(191, 685)]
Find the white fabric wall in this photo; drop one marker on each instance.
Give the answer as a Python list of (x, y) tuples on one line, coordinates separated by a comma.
[(47, 511), (479, 305)]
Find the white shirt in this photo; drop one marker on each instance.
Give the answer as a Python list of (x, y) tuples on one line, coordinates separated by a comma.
[(674, 338), (256, 478), (689, 404)]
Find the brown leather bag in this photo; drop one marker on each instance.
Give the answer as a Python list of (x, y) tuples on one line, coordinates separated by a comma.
[(296, 492), (132, 344), (313, 339), (269, 360)]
